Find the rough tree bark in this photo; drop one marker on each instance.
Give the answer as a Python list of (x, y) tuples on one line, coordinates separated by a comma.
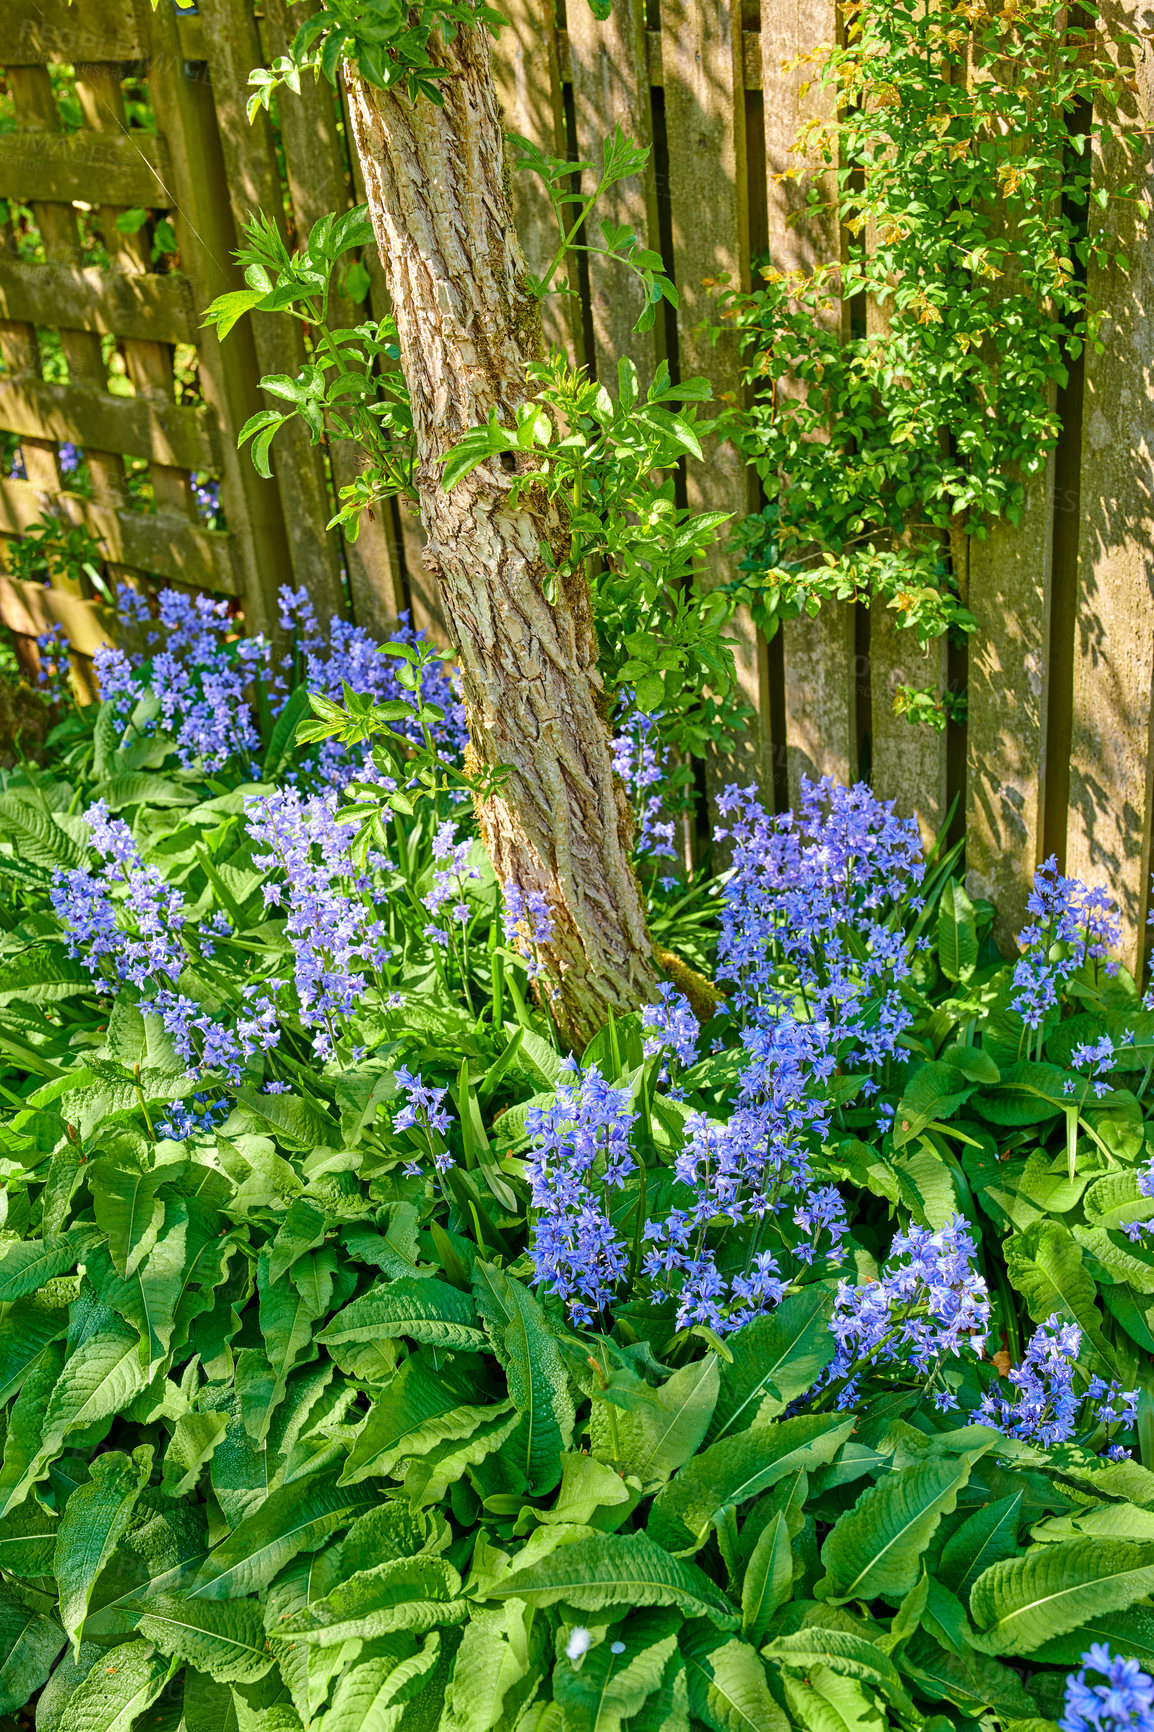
[(467, 326)]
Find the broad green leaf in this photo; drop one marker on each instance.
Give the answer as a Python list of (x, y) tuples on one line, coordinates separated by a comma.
[(94, 1519), (615, 1677), (425, 1310), (415, 1409), (128, 1210), (875, 1548), (26, 1328), (768, 1580), (302, 1229), (294, 1518), (1028, 1094), (845, 1652), (121, 1683), (371, 1695), (429, 1475), (667, 1708), (99, 1379), (1022, 1602), (1045, 1265), (148, 1297), (1126, 1632), (957, 933), (727, 1683), (736, 1468), (592, 1494), (491, 1659), (28, 1539), (933, 1092), (30, 1264), (538, 1383), (828, 1701), (659, 1435), (29, 1643), (224, 1638), (775, 1359), (192, 1444), (984, 1538), (617, 1570), (400, 1594), (24, 1460), (972, 1681)]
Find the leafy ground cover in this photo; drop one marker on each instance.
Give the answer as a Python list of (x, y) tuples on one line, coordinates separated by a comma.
[(369, 1361)]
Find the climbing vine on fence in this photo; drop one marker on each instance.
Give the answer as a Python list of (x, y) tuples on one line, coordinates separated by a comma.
[(908, 388)]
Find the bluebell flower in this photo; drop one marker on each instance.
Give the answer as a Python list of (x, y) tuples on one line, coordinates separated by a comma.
[(1122, 1702)]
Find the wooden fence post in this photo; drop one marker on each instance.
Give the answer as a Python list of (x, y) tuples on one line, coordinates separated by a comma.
[(819, 654), (1111, 758), (704, 80), (609, 63)]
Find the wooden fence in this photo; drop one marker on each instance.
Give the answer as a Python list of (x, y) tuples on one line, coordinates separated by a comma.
[(1054, 756)]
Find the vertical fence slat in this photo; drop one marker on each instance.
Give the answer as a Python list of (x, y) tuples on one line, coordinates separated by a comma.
[(1009, 593), (818, 654), (528, 80), (1111, 762), (319, 181), (703, 76), (182, 97), (909, 761), (254, 185), (609, 62)]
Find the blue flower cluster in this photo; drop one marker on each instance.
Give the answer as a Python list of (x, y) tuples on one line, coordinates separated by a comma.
[(1123, 1702), (528, 922), (670, 1030), (129, 927), (338, 940), (580, 1156), (637, 760), (1072, 925), (927, 1305), (1046, 1407), (197, 670)]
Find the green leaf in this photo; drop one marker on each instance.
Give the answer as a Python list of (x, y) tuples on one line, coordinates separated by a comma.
[(121, 1683), (98, 1380), (657, 1436), (30, 1264), (768, 1581), (24, 1461), (538, 1384), (370, 1696), (957, 933), (29, 1644), (45, 974), (1127, 1632), (416, 1409), (399, 1594), (95, 1517), (875, 1548), (224, 1638), (1045, 1264), (827, 1701), (429, 1475), (844, 1652), (491, 1659), (1022, 1602), (736, 1468), (933, 1092), (29, 1326), (1028, 1094), (727, 1684), (984, 1538), (424, 1309), (616, 1676), (192, 1444), (775, 1359), (294, 1518), (128, 1210), (617, 1570)]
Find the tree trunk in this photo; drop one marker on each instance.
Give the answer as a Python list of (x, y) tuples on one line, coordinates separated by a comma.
[(467, 326)]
